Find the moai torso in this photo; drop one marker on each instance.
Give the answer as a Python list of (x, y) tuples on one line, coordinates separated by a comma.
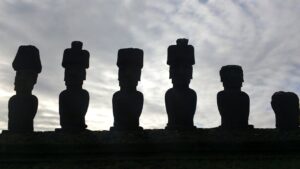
[(233, 104), (181, 107), (127, 109), (181, 101), (128, 102), (286, 108), (22, 107), (22, 110), (73, 105), (234, 108), (74, 101)]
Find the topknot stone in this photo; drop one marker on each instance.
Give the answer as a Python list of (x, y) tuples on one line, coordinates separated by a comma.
[(130, 57), (181, 54), (77, 45), (231, 71), (27, 58)]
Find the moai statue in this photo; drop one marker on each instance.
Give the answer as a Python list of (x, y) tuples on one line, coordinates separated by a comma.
[(128, 102), (180, 100), (286, 108), (233, 104), (22, 107), (74, 101)]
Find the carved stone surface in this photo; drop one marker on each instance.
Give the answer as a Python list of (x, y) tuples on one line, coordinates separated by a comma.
[(286, 108), (233, 104), (180, 100), (128, 102), (74, 101), (22, 107)]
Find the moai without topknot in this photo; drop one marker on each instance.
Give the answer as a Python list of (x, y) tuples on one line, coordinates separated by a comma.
[(128, 102), (180, 100), (22, 107), (74, 101), (286, 108), (233, 104)]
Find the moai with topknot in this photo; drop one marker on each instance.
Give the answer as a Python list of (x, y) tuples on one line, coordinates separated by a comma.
[(180, 100), (22, 107), (286, 108), (128, 102), (233, 104), (74, 101)]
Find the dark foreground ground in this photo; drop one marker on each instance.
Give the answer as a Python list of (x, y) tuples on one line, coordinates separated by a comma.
[(152, 149)]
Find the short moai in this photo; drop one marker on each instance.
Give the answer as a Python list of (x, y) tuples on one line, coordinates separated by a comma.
[(22, 107), (74, 101), (128, 102), (233, 104), (286, 108), (181, 100)]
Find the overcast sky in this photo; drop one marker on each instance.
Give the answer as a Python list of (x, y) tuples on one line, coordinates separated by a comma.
[(260, 35)]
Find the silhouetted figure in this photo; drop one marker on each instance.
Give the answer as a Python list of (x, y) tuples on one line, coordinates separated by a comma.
[(233, 104), (22, 107), (180, 100), (74, 101), (286, 108), (128, 102)]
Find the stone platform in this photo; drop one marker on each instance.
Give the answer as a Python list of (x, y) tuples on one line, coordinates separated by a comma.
[(202, 148)]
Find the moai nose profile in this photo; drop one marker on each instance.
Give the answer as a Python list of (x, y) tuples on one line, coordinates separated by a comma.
[(128, 102), (233, 104), (286, 108), (22, 107), (180, 100), (74, 101)]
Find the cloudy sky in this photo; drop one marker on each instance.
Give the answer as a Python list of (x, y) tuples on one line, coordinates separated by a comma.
[(260, 35)]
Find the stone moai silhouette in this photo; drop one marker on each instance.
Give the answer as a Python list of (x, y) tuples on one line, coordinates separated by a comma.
[(22, 107), (233, 104), (180, 100), (286, 108), (74, 101), (128, 102)]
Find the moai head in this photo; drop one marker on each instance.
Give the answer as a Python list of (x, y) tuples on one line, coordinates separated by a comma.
[(232, 76), (27, 63), (75, 61), (181, 58), (130, 63), (286, 108)]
